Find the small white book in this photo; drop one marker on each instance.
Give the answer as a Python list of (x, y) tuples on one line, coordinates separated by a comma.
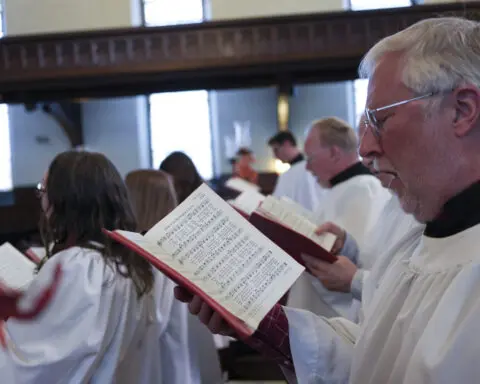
[(240, 185), (247, 202), (16, 270)]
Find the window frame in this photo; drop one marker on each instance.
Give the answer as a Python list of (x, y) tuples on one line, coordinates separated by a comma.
[(412, 3), (356, 81), (4, 116), (149, 102)]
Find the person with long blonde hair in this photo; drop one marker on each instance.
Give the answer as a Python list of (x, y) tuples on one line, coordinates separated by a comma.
[(153, 196)]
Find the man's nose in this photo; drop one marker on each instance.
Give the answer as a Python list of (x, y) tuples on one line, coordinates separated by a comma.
[(369, 145)]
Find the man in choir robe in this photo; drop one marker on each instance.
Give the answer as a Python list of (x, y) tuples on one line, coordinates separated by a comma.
[(353, 200), (296, 183), (424, 130), (394, 229)]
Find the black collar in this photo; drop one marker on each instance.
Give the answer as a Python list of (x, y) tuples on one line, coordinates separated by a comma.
[(352, 171), (296, 159), (459, 213)]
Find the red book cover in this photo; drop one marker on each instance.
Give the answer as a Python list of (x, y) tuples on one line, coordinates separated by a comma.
[(243, 331), (243, 213), (290, 241), (32, 256)]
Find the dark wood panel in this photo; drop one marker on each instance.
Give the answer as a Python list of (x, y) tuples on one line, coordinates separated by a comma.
[(19, 220), (213, 55)]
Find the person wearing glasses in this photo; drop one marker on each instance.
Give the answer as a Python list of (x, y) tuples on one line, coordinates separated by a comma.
[(393, 230), (108, 321), (353, 200), (423, 133)]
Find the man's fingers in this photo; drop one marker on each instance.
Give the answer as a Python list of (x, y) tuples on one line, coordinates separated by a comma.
[(330, 228), (205, 314), (182, 294), (317, 264), (216, 324), (195, 305)]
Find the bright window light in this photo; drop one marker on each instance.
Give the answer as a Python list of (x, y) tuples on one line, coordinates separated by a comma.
[(6, 183), (179, 121)]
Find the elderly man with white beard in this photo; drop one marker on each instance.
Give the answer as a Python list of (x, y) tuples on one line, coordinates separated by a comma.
[(421, 325)]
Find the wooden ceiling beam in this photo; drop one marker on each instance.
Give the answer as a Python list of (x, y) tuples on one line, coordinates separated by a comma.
[(213, 55)]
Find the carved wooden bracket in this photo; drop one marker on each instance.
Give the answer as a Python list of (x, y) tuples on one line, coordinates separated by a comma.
[(68, 115), (213, 55)]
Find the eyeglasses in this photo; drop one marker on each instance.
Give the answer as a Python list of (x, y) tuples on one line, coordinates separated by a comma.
[(40, 190), (377, 125)]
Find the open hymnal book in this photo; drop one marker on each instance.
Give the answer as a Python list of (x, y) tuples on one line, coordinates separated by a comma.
[(298, 209), (207, 247), (16, 270), (291, 231), (247, 202), (288, 214), (240, 185)]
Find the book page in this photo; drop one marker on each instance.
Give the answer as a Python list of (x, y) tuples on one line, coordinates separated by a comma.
[(240, 185), (248, 201), (226, 256), (280, 211), (295, 207), (16, 270)]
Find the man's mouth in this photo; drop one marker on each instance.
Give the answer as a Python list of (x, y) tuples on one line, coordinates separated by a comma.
[(386, 177)]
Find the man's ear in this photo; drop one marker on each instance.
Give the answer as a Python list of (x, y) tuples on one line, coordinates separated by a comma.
[(467, 109), (335, 153)]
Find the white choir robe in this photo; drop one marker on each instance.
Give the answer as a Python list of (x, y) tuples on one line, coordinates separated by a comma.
[(299, 185), (421, 326), (356, 205), (97, 330), (392, 231)]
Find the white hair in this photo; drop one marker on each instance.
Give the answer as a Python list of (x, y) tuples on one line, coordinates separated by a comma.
[(439, 54)]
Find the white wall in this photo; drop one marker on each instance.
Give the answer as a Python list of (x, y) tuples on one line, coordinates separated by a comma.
[(314, 101), (230, 9), (117, 128), (259, 106)]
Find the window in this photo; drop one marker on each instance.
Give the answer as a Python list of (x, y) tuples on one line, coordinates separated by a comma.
[(360, 86), (5, 150), (179, 121), (359, 5)]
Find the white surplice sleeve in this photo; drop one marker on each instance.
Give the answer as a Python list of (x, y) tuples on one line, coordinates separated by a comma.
[(447, 351), (322, 348), (62, 345), (178, 359)]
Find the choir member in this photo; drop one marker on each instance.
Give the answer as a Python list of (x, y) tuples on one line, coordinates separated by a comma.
[(354, 200), (423, 110), (153, 197), (185, 175), (296, 183), (104, 323)]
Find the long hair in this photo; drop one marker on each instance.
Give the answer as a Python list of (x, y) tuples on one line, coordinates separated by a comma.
[(184, 172), (152, 195), (85, 194)]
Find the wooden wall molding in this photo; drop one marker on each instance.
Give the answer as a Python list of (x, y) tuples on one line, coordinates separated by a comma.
[(213, 55)]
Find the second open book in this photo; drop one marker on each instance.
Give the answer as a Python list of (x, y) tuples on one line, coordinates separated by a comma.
[(207, 247)]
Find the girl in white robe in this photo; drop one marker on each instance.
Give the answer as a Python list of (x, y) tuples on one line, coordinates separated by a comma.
[(105, 324), (153, 197)]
